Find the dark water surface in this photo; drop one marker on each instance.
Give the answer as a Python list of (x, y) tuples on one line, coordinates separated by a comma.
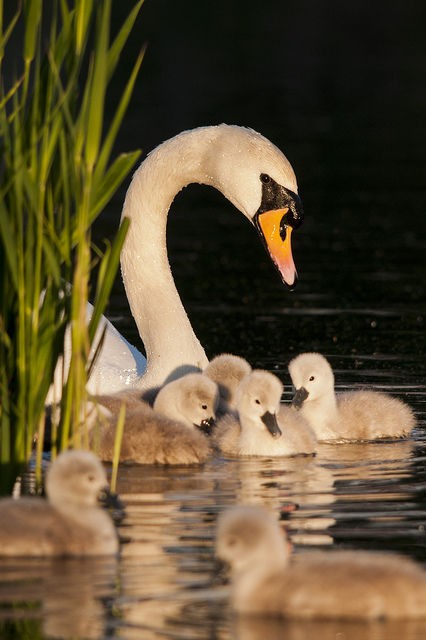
[(340, 88)]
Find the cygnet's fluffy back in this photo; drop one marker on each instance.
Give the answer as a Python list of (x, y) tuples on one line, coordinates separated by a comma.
[(172, 432)]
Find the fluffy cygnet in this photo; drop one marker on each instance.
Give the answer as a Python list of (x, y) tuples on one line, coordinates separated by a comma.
[(192, 399), (70, 522), (352, 585), (354, 415), (169, 433), (113, 402), (227, 370), (263, 427)]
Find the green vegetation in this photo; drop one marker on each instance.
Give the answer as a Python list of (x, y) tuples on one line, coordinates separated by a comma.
[(56, 175)]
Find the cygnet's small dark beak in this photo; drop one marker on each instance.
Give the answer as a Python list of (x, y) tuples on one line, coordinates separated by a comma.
[(112, 503), (270, 422), (206, 426), (221, 571), (299, 397)]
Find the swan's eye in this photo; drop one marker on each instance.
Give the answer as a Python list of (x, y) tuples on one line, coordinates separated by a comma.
[(311, 378), (265, 178)]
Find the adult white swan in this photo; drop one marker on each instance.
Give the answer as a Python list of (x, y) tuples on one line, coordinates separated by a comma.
[(249, 171)]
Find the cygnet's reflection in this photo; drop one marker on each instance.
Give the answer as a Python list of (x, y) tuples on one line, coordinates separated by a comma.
[(69, 595), (289, 486), (257, 628)]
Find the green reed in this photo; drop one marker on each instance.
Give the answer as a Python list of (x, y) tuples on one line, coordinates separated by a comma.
[(57, 173)]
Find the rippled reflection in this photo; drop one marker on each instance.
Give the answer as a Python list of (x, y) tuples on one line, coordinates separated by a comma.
[(166, 583), (67, 598), (258, 629)]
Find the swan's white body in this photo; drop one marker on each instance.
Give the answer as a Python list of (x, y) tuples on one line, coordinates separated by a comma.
[(236, 161), (119, 366)]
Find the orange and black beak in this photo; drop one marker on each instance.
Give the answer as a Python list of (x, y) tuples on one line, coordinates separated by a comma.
[(280, 212)]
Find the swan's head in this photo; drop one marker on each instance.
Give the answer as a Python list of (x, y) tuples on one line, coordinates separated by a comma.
[(258, 400), (249, 538), (259, 180), (227, 370), (192, 399), (76, 478), (312, 378)]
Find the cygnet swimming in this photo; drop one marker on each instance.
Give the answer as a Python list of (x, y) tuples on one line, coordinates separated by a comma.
[(192, 399), (263, 427), (70, 522), (169, 433), (349, 585), (353, 415), (227, 370)]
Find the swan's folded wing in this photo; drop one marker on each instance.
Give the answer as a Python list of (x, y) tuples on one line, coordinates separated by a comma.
[(118, 365)]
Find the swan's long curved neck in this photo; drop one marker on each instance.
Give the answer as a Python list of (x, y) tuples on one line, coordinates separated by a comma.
[(163, 324)]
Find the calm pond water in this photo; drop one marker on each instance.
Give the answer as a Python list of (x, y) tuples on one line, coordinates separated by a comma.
[(339, 86)]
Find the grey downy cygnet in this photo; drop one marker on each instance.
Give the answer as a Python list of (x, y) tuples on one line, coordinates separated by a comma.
[(266, 579), (170, 432), (70, 522), (262, 426), (227, 370), (353, 415)]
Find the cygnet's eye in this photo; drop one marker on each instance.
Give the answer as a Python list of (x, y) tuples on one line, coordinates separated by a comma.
[(265, 178), (257, 401), (204, 406), (311, 378), (91, 477)]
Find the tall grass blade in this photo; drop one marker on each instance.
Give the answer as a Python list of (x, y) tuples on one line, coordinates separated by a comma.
[(98, 85), (119, 430), (56, 176), (121, 38)]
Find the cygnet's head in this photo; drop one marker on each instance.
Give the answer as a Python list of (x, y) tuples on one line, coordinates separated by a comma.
[(227, 371), (312, 377), (258, 400), (248, 537), (77, 478), (192, 399)]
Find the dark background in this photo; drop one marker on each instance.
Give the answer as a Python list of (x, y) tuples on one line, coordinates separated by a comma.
[(338, 82), (339, 87)]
